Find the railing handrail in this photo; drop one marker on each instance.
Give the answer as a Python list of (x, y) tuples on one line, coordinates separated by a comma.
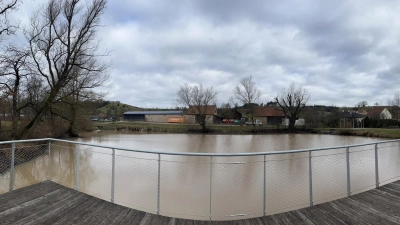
[(202, 154)]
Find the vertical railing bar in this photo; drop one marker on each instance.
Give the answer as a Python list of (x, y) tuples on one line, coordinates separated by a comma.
[(211, 163), (48, 160), (376, 166), (265, 188), (348, 171), (310, 178), (12, 167), (159, 183), (113, 176), (77, 165)]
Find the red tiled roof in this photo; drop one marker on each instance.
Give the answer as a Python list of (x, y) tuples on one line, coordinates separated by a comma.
[(375, 112), (210, 110), (268, 111)]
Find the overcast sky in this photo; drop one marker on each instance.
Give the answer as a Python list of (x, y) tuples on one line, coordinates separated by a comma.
[(342, 52)]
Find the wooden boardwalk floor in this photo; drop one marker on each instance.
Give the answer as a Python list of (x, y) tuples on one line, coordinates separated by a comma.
[(51, 203)]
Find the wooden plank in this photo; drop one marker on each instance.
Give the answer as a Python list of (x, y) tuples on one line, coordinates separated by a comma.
[(319, 216), (150, 219), (133, 217), (360, 214), (336, 212), (301, 218), (294, 218), (26, 194), (380, 206), (77, 214), (32, 207), (268, 220), (106, 214), (53, 213)]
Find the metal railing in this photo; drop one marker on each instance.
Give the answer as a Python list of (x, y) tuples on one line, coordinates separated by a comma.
[(215, 186)]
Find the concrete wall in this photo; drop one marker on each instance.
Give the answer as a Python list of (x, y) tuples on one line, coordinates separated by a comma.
[(191, 119)]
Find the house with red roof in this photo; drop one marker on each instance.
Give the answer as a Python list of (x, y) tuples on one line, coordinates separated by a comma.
[(269, 115), (379, 113)]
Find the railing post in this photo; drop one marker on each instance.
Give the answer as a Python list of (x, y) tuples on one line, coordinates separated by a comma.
[(348, 172), (12, 167), (211, 165), (77, 165), (265, 187), (376, 166), (310, 178), (113, 176), (48, 160), (158, 184)]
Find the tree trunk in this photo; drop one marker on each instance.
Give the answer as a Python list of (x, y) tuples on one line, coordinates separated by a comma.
[(71, 130), (14, 113), (292, 122)]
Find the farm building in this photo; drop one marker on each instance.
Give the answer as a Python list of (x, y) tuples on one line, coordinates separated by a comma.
[(210, 112), (269, 115), (155, 116)]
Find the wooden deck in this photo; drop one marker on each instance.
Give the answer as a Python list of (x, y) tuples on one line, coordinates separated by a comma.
[(51, 203)]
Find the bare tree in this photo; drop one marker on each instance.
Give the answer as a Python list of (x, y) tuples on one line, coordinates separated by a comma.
[(5, 8), (62, 38), (199, 100), (78, 91), (395, 103), (248, 94), (14, 69), (292, 101), (362, 104)]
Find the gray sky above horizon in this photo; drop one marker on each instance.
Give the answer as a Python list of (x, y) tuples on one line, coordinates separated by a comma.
[(342, 52)]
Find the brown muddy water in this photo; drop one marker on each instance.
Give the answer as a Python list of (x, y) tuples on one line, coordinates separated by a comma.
[(226, 188)]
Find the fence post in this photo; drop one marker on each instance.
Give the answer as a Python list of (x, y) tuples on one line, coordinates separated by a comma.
[(211, 162), (48, 160), (77, 165), (113, 176), (12, 167), (265, 187), (348, 171), (376, 166), (310, 178), (158, 184)]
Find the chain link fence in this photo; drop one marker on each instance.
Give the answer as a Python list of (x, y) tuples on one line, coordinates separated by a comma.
[(199, 185)]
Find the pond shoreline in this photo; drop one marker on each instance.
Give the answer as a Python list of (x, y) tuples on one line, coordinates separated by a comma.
[(149, 128)]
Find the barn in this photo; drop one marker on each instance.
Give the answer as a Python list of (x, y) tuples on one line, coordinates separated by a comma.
[(155, 116)]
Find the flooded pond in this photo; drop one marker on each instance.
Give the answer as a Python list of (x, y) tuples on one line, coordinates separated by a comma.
[(224, 188)]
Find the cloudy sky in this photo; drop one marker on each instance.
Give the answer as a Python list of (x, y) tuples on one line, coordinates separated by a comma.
[(342, 52)]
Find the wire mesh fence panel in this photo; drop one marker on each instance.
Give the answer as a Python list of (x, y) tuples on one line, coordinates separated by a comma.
[(237, 187), (5, 163), (62, 164), (185, 187), (362, 168), (136, 176), (389, 162), (287, 182), (329, 175), (30, 164), (95, 171)]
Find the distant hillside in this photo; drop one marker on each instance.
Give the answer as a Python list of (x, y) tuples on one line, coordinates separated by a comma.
[(116, 108)]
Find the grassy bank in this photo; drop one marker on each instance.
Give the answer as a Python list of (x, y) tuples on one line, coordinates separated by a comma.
[(189, 128), (393, 133)]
